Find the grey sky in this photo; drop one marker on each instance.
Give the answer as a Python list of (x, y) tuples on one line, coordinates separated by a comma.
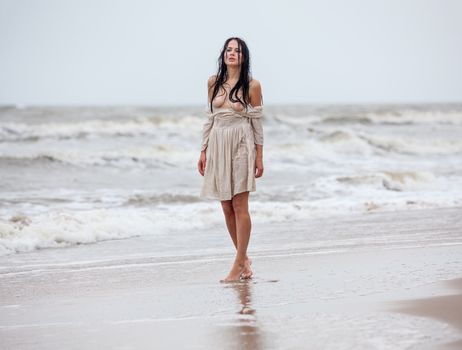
[(162, 52)]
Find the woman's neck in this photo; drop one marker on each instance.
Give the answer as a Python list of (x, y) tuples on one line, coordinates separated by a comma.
[(233, 74)]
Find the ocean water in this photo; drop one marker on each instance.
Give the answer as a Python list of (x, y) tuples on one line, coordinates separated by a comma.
[(73, 175)]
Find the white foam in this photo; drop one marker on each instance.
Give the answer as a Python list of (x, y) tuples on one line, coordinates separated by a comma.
[(62, 228)]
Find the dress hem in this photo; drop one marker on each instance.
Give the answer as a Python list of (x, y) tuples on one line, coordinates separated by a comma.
[(211, 197)]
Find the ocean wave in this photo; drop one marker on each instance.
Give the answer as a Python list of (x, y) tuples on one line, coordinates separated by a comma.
[(412, 146), (162, 198), (417, 116), (398, 116), (65, 227), (391, 180), (30, 160), (368, 115), (146, 126), (359, 119), (106, 161), (154, 156), (61, 228), (23, 233), (346, 140), (329, 144)]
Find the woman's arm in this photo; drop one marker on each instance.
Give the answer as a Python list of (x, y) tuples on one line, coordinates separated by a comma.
[(256, 101), (209, 123), (206, 129)]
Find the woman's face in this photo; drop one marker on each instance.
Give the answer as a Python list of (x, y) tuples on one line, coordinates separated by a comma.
[(233, 56)]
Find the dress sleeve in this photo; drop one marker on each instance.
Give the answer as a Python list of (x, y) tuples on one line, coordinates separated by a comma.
[(256, 114), (257, 130), (206, 131)]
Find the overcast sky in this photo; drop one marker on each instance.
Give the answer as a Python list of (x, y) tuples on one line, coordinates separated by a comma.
[(100, 52)]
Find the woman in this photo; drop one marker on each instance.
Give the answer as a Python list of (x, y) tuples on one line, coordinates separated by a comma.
[(232, 146)]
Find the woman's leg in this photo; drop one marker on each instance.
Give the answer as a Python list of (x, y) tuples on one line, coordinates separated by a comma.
[(230, 219), (243, 226)]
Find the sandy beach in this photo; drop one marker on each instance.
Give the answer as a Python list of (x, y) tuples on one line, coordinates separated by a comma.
[(117, 295)]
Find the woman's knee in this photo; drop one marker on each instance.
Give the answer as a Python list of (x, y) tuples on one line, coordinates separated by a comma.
[(227, 207), (240, 206)]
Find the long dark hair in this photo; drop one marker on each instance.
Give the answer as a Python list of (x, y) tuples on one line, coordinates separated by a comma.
[(244, 76)]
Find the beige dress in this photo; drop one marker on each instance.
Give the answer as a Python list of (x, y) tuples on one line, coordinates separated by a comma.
[(229, 137)]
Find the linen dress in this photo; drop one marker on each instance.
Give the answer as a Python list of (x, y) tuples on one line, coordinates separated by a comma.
[(229, 137)]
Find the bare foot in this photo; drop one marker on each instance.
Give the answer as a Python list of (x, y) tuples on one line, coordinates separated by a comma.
[(247, 273), (235, 273)]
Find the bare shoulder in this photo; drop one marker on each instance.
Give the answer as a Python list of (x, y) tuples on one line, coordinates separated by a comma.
[(255, 93), (254, 84), (211, 81)]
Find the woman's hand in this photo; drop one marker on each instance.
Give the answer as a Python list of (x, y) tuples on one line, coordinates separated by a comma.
[(258, 166), (201, 163)]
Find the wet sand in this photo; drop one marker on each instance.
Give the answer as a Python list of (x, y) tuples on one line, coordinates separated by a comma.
[(447, 309), (113, 295)]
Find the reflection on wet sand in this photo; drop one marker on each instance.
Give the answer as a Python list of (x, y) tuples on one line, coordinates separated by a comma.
[(244, 332)]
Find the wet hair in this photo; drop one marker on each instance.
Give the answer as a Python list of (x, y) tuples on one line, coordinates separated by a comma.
[(244, 76)]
